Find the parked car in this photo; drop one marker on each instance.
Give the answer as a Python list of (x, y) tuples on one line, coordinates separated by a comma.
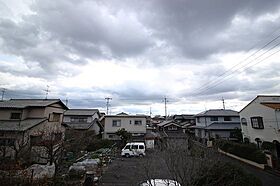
[(134, 149), (160, 182)]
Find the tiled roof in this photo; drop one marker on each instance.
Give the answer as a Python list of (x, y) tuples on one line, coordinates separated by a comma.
[(80, 112), (165, 123), (218, 112), (223, 126), (17, 125), (23, 103)]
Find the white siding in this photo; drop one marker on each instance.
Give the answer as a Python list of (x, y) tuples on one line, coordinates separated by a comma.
[(270, 121)]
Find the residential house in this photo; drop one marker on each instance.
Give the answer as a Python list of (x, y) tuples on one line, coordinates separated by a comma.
[(83, 120), (25, 123), (171, 129), (135, 124), (260, 121), (216, 123)]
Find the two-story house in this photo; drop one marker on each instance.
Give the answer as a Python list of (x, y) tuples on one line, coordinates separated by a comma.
[(83, 120), (216, 123), (260, 121), (135, 124), (26, 122)]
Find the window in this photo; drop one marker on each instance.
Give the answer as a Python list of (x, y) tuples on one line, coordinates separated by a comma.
[(116, 123), (257, 122), (172, 127), (227, 118), (198, 119), (111, 136), (214, 118), (7, 142), (134, 147), (127, 147), (15, 115), (78, 119), (56, 117), (243, 121), (141, 147), (138, 122)]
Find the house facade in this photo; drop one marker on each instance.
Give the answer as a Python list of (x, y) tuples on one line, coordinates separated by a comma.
[(27, 122), (83, 120), (135, 124), (260, 120), (216, 123)]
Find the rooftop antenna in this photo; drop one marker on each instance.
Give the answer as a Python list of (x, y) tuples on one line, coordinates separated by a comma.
[(47, 91), (224, 107), (165, 107), (66, 102), (107, 104), (150, 112), (3, 93)]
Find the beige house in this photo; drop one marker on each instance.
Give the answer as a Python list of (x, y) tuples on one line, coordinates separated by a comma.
[(135, 124), (83, 120), (27, 122)]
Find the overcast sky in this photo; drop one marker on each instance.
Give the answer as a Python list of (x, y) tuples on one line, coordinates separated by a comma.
[(194, 52)]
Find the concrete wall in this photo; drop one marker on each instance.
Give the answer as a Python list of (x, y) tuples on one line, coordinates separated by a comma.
[(271, 121)]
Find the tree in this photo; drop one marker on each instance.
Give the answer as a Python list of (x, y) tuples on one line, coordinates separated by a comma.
[(124, 135), (237, 133), (190, 163)]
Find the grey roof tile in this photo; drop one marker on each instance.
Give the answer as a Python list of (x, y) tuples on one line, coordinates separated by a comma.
[(17, 125)]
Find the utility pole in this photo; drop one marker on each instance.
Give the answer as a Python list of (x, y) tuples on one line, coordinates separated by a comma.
[(47, 91), (150, 112), (3, 93), (107, 104), (224, 107), (165, 107)]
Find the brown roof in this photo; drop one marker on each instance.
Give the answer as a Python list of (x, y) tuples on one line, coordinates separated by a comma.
[(272, 105)]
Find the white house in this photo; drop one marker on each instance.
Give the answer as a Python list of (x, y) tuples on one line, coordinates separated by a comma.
[(260, 120), (216, 123), (83, 119), (135, 124)]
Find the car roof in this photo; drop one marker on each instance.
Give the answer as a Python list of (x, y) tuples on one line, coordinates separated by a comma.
[(136, 143)]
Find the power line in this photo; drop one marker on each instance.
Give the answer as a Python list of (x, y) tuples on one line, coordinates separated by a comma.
[(217, 81), (232, 69), (231, 75)]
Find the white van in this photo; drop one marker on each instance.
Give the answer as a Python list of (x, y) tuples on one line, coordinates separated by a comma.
[(134, 149)]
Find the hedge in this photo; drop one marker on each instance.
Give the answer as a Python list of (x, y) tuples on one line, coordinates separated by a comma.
[(247, 151), (225, 173)]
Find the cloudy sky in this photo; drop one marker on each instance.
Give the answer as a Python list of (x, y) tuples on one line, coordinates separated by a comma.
[(193, 52)]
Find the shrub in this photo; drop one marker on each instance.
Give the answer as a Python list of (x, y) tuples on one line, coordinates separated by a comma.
[(98, 144), (225, 173), (247, 151)]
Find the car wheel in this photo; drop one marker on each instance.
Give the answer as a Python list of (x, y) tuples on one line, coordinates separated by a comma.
[(127, 155), (141, 155)]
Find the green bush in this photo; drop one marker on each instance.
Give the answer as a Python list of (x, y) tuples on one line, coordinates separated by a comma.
[(247, 151), (98, 144), (224, 173)]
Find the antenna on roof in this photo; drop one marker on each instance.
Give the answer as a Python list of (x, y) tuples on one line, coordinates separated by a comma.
[(66, 102), (107, 104), (47, 91), (224, 107), (3, 93)]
